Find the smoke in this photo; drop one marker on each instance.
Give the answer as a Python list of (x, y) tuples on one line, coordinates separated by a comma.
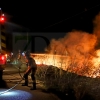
[(81, 48), (76, 43)]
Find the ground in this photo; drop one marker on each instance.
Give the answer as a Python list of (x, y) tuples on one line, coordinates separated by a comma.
[(10, 87)]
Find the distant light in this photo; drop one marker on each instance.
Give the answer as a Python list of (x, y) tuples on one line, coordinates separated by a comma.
[(2, 58), (23, 54), (6, 55), (11, 53), (2, 18), (3, 14), (0, 8)]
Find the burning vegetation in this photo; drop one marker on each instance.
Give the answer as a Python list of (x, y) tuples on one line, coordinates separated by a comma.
[(77, 52)]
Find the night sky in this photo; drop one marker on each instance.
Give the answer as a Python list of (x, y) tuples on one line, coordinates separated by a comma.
[(48, 16)]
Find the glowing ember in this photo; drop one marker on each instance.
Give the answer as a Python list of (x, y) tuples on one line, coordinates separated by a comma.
[(86, 67), (55, 60), (96, 60)]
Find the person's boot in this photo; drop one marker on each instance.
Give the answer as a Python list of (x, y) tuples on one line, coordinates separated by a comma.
[(33, 87), (25, 84)]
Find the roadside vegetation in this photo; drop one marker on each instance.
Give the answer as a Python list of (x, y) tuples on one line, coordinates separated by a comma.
[(68, 85)]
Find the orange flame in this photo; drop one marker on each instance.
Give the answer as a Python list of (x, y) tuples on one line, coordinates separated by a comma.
[(77, 52)]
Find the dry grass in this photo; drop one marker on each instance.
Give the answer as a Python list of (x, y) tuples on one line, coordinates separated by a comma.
[(68, 85)]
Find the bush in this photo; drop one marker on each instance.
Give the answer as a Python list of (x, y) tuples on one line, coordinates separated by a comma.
[(71, 85)]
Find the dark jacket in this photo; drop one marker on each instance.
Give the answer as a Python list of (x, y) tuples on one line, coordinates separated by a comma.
[(32, 63)]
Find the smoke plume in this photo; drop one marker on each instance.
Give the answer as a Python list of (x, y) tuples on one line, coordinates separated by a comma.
[(82, 48), (77, 42)]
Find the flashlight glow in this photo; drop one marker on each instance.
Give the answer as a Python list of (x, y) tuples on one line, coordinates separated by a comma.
[(15, 95)]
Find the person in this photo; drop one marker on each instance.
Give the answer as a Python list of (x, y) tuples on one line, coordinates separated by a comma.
[(19, 59), (19, 55), (31, 68)]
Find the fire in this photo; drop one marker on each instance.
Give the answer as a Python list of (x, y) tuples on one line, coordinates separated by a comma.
[(96, 59), (38, 63), (55, 60), (76, 52), (88, 67)]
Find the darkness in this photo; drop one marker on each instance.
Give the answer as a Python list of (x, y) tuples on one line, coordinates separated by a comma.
[(60, 16)]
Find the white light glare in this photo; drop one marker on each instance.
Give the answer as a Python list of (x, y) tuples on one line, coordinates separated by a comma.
[(23, 54), (10, 93), (3, 14), (15, 95)]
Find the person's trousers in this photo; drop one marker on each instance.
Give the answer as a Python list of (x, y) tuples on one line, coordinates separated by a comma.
[(33, 78)]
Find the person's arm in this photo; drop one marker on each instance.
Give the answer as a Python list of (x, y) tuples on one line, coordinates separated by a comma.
[(27, 72), (28, 69)]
